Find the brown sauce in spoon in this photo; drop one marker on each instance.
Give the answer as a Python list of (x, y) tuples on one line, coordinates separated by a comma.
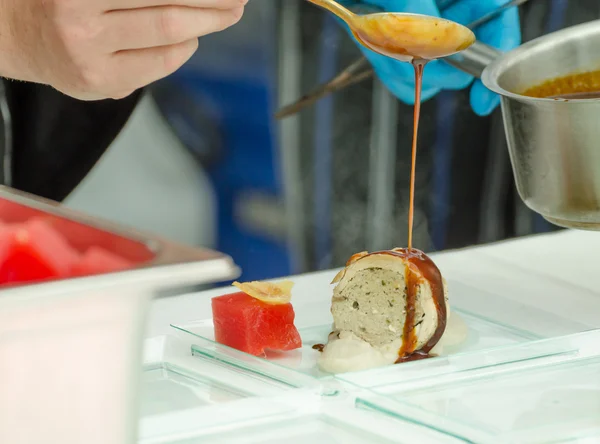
[(406, 37)]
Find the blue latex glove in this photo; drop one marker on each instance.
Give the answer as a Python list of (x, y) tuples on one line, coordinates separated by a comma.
[(503, 33)]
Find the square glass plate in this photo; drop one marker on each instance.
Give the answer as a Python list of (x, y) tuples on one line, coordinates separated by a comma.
[(298, 418), (299, 429), (167, 388), (172, 380), (298, 368), (552, 397)]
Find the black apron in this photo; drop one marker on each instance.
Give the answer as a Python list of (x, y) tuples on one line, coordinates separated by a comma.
[(55, 140)]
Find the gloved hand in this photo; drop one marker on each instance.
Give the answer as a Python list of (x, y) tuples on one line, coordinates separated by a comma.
[(502, 33)]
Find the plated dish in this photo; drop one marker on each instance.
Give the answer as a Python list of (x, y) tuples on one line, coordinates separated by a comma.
[(388, 307)]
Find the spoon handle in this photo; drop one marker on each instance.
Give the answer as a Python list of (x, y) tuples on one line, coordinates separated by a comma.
[(355, 73), (474, 59), (335, 8)]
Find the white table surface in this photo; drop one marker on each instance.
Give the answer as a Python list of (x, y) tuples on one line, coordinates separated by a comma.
[(559, 270)]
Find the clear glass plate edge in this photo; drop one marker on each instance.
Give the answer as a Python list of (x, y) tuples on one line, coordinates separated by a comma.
[(574, 347), (209, 348), (581, 347), (302, 405)]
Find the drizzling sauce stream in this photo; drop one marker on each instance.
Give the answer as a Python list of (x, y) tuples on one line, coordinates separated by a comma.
[(419, 267), (419, 66)]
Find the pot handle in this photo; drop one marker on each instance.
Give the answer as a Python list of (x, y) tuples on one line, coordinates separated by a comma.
[(474, 59)]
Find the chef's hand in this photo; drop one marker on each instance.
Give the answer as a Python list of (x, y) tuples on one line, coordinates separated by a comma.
[(503, 33), (97, 49)]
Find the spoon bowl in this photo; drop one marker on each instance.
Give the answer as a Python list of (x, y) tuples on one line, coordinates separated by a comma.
[(411, 36), (404, 36)]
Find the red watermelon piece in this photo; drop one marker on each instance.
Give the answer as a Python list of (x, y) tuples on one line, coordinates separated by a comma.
[(34, 251), (97, 260), (252, 326)]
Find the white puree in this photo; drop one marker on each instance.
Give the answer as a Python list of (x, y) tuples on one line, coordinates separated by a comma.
[(349, 353)]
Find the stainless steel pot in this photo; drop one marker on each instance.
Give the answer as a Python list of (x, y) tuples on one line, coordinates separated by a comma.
[(554, 144)]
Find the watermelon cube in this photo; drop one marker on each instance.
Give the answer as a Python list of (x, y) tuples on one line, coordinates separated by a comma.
[(34, 251), (252, 326), (97, 260)]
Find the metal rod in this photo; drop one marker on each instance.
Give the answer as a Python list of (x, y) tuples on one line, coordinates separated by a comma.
[(496, 12), (345, 78), (290, 74), (382, 165), (323, 148)]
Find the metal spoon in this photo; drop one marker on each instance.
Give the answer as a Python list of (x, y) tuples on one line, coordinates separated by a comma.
[(404, 36)]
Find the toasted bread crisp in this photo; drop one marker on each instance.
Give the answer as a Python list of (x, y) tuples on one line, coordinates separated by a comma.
[(269, 292)]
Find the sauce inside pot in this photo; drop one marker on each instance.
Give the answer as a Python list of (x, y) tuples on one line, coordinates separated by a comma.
[(584, 85)]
